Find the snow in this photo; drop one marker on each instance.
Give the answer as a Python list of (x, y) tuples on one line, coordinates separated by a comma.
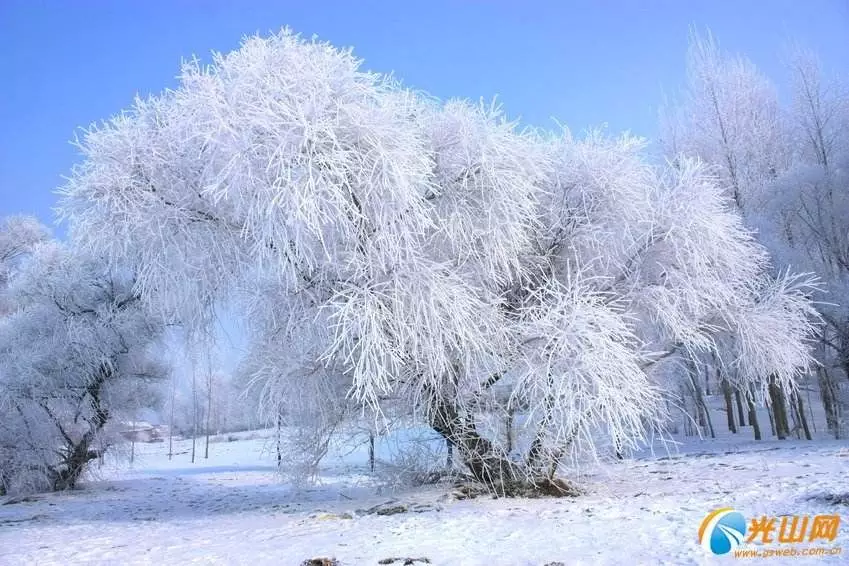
[(233, 509)]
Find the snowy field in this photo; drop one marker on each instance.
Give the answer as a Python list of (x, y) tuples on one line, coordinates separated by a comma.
[(232, 509)]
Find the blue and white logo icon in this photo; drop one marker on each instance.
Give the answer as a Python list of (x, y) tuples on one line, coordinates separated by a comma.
[(722, 530)]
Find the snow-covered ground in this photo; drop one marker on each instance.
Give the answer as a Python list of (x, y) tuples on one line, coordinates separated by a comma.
[(232, 509)]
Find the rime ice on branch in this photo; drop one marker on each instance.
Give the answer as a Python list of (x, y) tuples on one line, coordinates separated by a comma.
[(430, 254)]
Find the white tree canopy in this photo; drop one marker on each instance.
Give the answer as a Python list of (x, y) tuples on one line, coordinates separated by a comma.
[(388, 244)]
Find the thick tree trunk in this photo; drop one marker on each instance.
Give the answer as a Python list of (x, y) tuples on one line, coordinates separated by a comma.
[(73, 465), (484, 463), (78, 453), (729, 405), (488, 464)]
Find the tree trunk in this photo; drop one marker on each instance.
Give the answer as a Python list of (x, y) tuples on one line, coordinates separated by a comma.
[(753, 418), (171, 423), (701, 405), (78, 453), (685, 411), (741, 414), (779, 410), (771, 417), (484, 463), (194, 414), (729, 405), (829, 402), (73, 465), (279, 439), (371, 451), (509, 431), (800, 414), (811, 410), (208, 413)]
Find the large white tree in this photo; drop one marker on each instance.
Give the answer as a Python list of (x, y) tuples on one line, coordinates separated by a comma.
[(76, 356), (386, 245)]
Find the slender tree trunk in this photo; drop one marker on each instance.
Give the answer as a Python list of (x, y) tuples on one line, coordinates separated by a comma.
[(829, 402), (701, 405), (753, 418), (800, 414), (509, 429), (279, 439), (811, 410), (194, 414), (795, 426), (741, 414), (371, 451), (208, 413), (769, 414), (729, 405), (779, 410), (132, 442), (688, 424), (685, 411), (171, 422)]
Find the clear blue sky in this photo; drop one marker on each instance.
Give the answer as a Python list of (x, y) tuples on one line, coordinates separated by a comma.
[(65, 64)]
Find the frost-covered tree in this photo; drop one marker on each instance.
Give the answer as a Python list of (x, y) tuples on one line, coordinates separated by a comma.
[(727, 114), (18, 236), (76, 355), (787, 170), (391, 248), (804, 214)]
